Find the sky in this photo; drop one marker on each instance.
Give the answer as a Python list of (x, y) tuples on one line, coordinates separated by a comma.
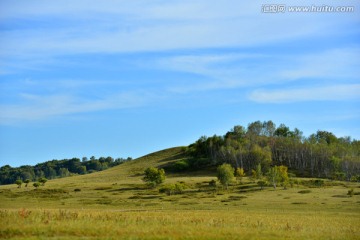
[(127, 78)]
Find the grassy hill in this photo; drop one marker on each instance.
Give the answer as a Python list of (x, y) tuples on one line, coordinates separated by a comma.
[(116, 203)]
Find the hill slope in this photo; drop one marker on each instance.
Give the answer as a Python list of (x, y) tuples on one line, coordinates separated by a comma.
[(116, 202), (83, 187), (122, 187)]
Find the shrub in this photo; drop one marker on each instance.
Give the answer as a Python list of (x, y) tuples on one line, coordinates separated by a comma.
[(27, 181), (351, 192), (171, 189), (198, 163), (319, 183), (43, 181), (304, 191), (19, 183), (261, 184), (212, 183), (181, 165)]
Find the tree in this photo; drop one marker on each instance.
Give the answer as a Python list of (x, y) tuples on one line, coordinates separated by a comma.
[(240, 173), (36, 184), (64, 172), (282, 131), (257, 174), (225, 174), (43, 181), (273, 176), (26, 182), (261, 156), (284, 178), (19, 183), (154, 176)]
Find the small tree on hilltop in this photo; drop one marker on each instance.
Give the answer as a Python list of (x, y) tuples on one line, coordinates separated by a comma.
[(225, 174), (154, 176), (36, 184), (19, 183)]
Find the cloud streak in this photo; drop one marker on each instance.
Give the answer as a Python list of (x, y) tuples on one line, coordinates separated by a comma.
[(327, 93), (40, 107), (142, 26)]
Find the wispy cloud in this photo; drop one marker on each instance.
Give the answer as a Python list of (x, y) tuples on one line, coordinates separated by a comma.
[(222, 71), (40, 107), (142, 26), (334, 63), (325, 93), (236, 70)]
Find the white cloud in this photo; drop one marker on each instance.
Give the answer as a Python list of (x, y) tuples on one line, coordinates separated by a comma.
[(235, 70), (132, 26), (325, 93), (40, 107)]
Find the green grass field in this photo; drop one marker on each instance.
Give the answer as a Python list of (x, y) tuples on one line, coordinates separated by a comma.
[(116, 204)]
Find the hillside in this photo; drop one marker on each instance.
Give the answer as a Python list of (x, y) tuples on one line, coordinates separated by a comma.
[(124, 176), (115, 203), (122, 186)]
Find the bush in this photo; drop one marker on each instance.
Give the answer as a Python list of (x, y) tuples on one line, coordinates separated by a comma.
[(261, 184), (181, 165), (43, 181), (171, 189), (212, 183), (351, 192), (19, 183), (198, 163), (355, 178), (304, 191), (318, 183), (314, 183)]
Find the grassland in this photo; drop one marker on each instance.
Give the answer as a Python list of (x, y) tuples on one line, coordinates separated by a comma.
[(116, 204)]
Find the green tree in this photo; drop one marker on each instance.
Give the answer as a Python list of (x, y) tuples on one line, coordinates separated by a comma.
[(273, 176), (257, 174), (64, 172), (240, 173), (284, 177), (225, 174), (154, 176), (43, 181), (19, 183), (36, 184), (26, 182)]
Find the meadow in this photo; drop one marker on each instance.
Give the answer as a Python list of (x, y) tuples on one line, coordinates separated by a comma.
[(116, 204)]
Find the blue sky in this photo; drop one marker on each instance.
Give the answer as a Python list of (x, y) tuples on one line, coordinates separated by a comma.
[(126, 78)]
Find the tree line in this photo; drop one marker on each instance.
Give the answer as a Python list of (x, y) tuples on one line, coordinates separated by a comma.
[(321, 154), (57, 168)]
